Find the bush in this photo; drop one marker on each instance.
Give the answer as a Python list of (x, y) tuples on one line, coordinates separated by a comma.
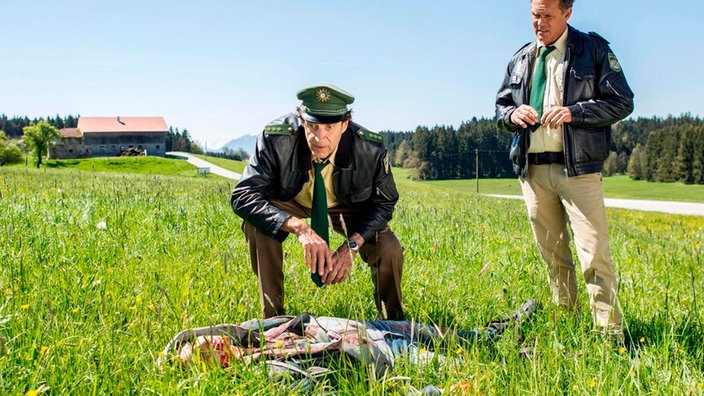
[(9, 154)]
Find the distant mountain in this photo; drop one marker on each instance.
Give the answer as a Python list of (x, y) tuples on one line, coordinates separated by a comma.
[(246, 143)]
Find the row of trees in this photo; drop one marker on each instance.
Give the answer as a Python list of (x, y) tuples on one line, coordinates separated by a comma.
[(654, 149), (181, 141), (442, 152), (14, 127), (670, 155), (237, 155)]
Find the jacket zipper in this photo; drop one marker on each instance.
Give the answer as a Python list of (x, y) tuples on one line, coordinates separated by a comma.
[(608, 84), (381, 193)]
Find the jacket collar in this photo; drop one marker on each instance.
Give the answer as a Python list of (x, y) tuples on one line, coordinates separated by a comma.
[(575, 42), (343, 158)]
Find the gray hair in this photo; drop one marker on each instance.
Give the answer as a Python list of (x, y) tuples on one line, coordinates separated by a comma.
[(564, 4)]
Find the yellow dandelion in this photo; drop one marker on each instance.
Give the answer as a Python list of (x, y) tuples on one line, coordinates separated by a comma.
[(681, 351), (43, 349), (622, 350), (701, 385), (24, 306), (138, 299), (75, 310), (151, 306), (134, 339), (592, 383), (133, 308), (32, 392), (575, 387), (481, 328), (161, 353), (642, 339), (458, 351), (107, 294)]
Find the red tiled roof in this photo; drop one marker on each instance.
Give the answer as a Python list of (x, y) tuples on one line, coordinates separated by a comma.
[(70, 133), (122, 124)]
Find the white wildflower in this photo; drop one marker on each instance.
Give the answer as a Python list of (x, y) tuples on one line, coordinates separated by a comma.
[(101, 225)]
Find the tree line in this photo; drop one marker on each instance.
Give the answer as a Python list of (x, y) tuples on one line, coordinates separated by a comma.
[(655, 149)]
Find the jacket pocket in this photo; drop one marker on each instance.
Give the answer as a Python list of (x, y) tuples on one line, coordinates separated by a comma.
[(591, 145), (582, 82)]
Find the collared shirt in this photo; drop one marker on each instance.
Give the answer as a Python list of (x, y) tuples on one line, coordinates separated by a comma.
[(305, 196), (550, 138)]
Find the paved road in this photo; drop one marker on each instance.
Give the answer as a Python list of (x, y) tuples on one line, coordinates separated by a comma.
[(197, 162), (686, 208)]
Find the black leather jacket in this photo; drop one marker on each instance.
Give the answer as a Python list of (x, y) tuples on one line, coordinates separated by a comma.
[(595, 91), (280, 166)]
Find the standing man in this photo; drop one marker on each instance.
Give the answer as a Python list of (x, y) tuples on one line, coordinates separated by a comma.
[(318, 163), (560, 95)]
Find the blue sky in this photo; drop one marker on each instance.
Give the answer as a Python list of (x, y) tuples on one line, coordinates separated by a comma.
[(222, 69)]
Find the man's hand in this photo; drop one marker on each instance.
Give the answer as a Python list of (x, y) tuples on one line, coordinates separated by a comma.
[(315, 251), (556, 116), (341, 265), (524, 115)]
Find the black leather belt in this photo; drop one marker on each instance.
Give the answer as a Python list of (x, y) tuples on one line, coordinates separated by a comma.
[(546, 158)]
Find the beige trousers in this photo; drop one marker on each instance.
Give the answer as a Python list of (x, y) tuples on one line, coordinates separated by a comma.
[(553, 200), (383, 255)]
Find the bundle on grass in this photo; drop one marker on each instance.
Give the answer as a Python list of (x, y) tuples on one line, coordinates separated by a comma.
[(304, 347)]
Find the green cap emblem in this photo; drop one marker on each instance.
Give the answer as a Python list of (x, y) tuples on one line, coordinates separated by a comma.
[(324, 104)]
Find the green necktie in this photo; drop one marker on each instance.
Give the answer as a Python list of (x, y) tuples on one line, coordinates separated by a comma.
[(537, 90), (319, 211)]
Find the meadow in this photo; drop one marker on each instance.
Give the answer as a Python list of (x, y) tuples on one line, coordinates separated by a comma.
[(98, 270)]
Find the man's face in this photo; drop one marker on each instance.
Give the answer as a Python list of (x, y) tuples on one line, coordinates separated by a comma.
[(323, 138), (549, 21)]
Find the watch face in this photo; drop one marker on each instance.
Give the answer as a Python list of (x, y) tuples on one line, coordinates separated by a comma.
[(352, 245)]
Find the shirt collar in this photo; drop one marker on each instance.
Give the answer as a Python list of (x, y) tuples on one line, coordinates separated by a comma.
[(560, 44)]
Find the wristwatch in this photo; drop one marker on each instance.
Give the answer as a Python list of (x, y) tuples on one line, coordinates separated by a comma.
[(352, 245)]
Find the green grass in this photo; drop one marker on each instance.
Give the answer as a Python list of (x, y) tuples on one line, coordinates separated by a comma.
[(86, 310), (614, 187), (136, 165)]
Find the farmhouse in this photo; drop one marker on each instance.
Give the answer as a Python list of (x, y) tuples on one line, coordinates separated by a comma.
[(111, 136)]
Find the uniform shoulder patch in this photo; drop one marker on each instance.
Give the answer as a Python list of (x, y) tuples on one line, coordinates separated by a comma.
[(613, 62), (370, 136), (597, 35), (278, 129)]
